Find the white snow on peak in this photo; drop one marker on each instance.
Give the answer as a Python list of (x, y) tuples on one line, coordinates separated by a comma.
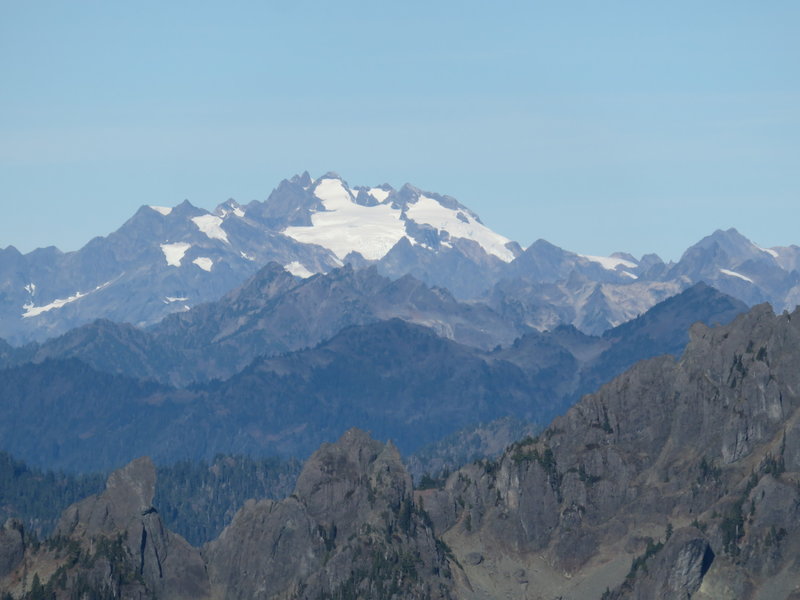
[(174, 252), (459, 224), (164, 210), (211, 225), (204, 263), (379, 194), (345, 226), (609, 262), (770, 251), (171, 299), (735, 274), (631, 275), (298, 270), (31, 288), (236, 210), (35, 311), (245, 255)]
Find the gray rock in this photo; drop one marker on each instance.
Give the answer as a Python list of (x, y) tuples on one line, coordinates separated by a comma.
[(12, 546), (168, 565), (350, 525)]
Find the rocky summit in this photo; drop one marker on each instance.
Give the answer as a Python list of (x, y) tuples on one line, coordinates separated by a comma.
[(679, 479), (351, 529)]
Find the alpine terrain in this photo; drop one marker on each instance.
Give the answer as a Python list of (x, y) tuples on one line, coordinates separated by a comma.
[(352, 392)]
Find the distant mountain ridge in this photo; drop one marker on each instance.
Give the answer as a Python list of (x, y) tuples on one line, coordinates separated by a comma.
[(169, 259), (273, 313), (400, 380)]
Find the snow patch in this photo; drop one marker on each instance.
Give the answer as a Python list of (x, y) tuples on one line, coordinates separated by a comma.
[(174, 252), (458, 224), (345, 226), (769, 251), (171, 299), (211, 225), (609, 263), (245, 255), (164, 210), (35, 311), (735, 274), (236, 210), (379, 194), (631, 275), (298, 270), (204, 263), (31, 288)]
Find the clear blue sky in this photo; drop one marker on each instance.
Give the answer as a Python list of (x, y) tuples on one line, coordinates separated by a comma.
[(599, 126)]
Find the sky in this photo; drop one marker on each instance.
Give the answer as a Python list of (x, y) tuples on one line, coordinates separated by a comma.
[(598, 126)]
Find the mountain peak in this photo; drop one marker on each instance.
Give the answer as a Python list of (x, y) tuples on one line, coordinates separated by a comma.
[(331, 175), (230, 206), (303, 180)]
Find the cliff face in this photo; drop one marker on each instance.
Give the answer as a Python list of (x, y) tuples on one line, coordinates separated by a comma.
[(351, 529), (113, 545), (686, 470), (167, 565)]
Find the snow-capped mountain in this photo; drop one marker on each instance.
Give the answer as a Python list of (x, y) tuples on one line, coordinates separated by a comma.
[(169, 259)]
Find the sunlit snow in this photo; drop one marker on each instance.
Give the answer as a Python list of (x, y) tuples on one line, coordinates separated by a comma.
[(164, 210), (769, 251), (609, 262), (31, 288), (379, 194), (236, 210), (298, 270), (345, 226), (631, 275), (211, 225), (735, 274), (204, 263), (245, 255), (171, 299), (174, 252), (429, 212), (34, 311)]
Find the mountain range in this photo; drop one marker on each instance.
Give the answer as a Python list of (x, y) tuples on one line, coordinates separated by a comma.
[(290, 327), (83, 405), (676, 480), (166, 260)]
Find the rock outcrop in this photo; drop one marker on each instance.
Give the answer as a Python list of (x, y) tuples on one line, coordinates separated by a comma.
[(12, 546), (113, 545), (350, 530), (687, 470)]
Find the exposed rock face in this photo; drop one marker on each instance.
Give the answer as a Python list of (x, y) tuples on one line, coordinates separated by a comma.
[(351, 529), (12, 546), (676, 571), (710, 439), (164, 562)]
